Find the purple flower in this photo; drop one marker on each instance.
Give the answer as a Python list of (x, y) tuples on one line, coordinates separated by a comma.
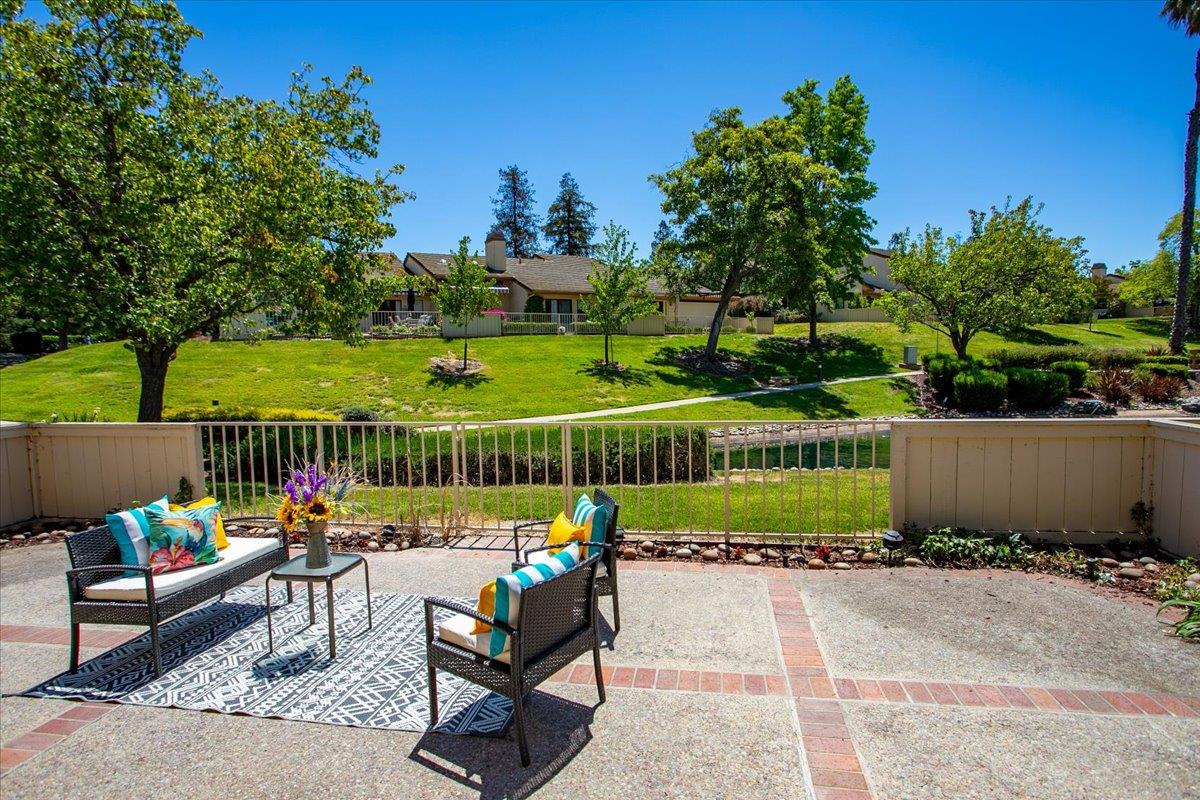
[(290, 488)]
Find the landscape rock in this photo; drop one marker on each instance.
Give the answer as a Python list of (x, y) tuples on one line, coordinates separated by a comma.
[(1191, 405), (695, 548), (770, 552), (18, 537), (1148, 560), (913, 562), (1109, 562), (711, 554), (724, 548), (753, 559), (629, 554), (1152, 568), (44, 536), (1127, 564), (869, 557), (1130, 572), (405, 544), (372, 545), (1195, 577), (816, 563), (1093, 407), (683, 552), (1189, 584), (648, 546), (842, 565)]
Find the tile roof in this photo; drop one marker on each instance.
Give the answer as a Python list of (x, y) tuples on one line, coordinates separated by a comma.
[(543, 273)]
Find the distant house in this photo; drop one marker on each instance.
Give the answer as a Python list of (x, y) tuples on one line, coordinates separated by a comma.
[(561, 282), (1100, 270)]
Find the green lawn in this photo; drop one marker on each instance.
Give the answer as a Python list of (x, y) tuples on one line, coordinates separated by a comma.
[(525, 376), (886, 397)]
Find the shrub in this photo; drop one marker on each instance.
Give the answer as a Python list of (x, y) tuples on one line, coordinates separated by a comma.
[(1114, 385), (1156, 350), (980, 390), (1041, 356), (534, 305), (941, 369), (964, 548), (1147, 368), (1076, 372), (1155, 388), (1189, 626), (245, 414), (360, 414), (1034, 388), (1183, 360)]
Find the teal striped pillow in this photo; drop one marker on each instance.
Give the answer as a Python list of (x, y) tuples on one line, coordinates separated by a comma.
[(131, 530), (593, 519), (509, 588)]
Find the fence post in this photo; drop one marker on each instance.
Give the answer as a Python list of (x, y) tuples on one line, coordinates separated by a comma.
[(568, 478), (898, 476), (725, 445), (455, 474), (319, 433)]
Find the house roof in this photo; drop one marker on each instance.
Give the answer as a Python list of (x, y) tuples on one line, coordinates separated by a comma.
[(544, 273)]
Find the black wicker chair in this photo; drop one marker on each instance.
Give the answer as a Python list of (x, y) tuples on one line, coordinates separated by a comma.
[(606, 583), (95, 557), (555, 625)]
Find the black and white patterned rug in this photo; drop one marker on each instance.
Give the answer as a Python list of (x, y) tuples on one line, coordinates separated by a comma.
[(215, 659)]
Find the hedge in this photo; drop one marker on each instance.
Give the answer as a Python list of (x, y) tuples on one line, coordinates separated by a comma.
[(1042, 356), (246, 414), (1036, 389), (1147, 368), (943, 367), (1076, 372), (1182, 360), (980, 390)]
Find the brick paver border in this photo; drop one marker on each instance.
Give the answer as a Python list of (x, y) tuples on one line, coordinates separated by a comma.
[(45, 736)]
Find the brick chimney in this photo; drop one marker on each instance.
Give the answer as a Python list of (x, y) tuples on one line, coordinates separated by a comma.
[(494, 248), (1099, 269)]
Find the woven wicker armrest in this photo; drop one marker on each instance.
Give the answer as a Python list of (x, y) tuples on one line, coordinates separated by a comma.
[(561, 545), (74, 573), (462, 608), (531, 524)]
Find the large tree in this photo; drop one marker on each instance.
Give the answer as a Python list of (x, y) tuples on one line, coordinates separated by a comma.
[(619, 294), (466, 292), (569, 228), (722, 198), (1010, 272), (171, 205), (825, 229), (515, 217), (1186, 13), (1157, 277)]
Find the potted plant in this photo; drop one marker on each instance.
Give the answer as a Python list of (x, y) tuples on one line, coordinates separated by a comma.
[(314, 497)]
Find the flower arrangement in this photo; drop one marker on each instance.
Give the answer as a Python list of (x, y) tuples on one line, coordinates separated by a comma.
[(315, 496)]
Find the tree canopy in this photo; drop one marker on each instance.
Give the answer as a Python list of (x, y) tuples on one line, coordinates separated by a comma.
[(1155, 278), (1009, 272), (515, 216), (774, 208), (619, 293), (466, 292), (569, 228), (170, 205)]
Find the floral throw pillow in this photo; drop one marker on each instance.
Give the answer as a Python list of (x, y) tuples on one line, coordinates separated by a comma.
[(181, 539)]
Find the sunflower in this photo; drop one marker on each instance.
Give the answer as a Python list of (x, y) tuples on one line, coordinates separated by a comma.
[(288, 514), (318, 510)]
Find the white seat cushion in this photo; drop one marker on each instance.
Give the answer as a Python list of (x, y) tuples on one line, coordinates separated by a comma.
[(239, 551), (457, 630)]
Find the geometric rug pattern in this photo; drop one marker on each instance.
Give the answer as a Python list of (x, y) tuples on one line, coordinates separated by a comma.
[(215, 659)]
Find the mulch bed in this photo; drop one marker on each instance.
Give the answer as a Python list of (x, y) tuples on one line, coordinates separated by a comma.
[(452, 366), (723, 364)]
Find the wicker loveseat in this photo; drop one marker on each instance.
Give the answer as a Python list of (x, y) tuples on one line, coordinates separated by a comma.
[(99, 593)]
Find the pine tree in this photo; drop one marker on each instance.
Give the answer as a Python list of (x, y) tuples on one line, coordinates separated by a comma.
[(661, 236), (513, 207), (569, 227)]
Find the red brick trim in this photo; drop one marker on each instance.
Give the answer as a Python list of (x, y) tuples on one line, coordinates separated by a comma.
[(43, 634), (21, 749), (1029, 698)]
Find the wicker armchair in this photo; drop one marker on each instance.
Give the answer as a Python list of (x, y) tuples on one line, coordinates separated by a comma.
[(556, 624), (95, 557), (606, 582)]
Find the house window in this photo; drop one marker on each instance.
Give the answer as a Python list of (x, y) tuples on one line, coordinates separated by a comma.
[(559, 306)]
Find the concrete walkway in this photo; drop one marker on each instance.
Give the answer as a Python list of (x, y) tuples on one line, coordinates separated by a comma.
[(710, 398)]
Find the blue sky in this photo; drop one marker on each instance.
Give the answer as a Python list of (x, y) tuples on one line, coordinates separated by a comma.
[(1082, 105)]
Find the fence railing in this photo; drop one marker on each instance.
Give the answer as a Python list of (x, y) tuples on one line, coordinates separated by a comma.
[(517, 324), (403, 323), (711, 481)]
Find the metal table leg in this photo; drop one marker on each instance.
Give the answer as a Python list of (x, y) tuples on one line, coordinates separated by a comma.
[(332, 629), (312, 606), (270, 633), (367, 578)]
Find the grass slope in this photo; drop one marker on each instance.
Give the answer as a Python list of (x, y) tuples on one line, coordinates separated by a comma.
[(525, 376)]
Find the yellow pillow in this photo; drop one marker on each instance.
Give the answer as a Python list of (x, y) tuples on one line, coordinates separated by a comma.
[(563, 531), (485, 606), (222, 539)]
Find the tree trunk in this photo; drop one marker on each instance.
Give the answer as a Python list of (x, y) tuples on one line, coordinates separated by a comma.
[(152, 361), (959, 341), (464, 369), (63, 340), (1179, 322), (714, 333), (606, 349), (812, 321)]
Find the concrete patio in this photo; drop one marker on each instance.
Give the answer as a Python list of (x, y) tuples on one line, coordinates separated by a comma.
[(726, 682)]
